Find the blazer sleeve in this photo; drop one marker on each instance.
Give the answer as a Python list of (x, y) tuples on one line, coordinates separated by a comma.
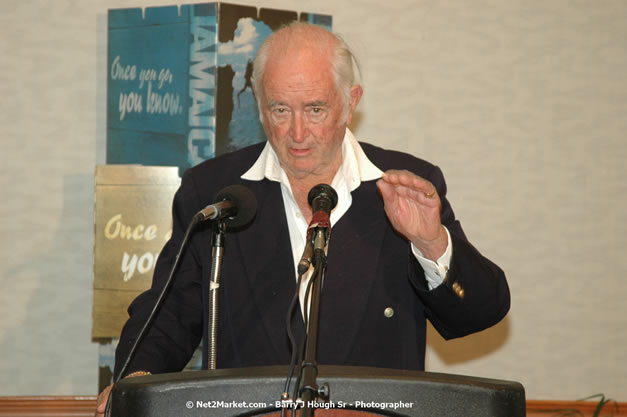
[(474, 294)]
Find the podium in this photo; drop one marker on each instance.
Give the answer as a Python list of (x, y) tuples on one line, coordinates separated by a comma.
[(374, 391)]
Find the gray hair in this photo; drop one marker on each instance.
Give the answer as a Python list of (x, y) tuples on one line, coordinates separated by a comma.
[(342, 59)]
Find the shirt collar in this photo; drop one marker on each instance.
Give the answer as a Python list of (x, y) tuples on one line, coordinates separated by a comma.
[(355, 168)]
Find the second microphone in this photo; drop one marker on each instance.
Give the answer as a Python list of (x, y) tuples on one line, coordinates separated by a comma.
[(322, 199)]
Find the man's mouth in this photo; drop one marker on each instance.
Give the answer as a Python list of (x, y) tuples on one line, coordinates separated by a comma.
[(299, 152)]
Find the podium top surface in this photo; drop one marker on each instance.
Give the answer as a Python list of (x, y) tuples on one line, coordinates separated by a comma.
[(255, 391)]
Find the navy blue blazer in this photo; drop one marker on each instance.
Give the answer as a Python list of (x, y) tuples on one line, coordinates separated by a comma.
[(370, 268)]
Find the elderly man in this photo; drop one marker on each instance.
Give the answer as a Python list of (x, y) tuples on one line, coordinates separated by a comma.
[(397, 255)]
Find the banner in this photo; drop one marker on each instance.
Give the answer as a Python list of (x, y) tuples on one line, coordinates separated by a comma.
[(179, 80)]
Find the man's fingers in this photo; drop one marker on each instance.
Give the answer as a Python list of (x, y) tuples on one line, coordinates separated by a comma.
[(386, 189), (410, 180), (101, 401), (390, 192)]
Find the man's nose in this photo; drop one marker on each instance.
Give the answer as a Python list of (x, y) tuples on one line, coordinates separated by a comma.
[(298, 128)]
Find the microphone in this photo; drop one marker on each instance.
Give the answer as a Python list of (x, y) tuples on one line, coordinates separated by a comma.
[(235, 204), (322, 199)]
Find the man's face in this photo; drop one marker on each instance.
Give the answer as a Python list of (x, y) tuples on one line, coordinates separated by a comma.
[(303, 113)]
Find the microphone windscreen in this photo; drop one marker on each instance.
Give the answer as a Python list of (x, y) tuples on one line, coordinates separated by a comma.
[(325, 194), (245, 202)]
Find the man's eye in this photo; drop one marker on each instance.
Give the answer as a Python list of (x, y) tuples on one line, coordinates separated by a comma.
[(317, 111)]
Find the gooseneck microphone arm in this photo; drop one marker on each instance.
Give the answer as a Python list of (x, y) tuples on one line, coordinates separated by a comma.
[(236, 206), (217, 251), (322, 199), (309, 390)]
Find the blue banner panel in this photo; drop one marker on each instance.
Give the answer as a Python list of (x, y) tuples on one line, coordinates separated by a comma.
[(179, 80)]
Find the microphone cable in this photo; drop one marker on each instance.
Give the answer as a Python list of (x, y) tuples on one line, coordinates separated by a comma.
[(292, 339), (246, 203), (195, 220)]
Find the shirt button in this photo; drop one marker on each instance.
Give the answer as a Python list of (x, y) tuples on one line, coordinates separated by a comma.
[(388, 312), (297, 214)]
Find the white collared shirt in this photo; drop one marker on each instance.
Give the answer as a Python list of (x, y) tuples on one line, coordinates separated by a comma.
[(355, 168)]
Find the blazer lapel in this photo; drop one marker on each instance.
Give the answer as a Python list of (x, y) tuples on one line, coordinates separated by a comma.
[(354, 255), (269, 268)]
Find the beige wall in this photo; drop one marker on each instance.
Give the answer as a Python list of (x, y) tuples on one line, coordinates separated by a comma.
[(520, 102)]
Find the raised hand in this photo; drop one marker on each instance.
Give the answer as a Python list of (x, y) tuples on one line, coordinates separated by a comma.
[(413, 205)]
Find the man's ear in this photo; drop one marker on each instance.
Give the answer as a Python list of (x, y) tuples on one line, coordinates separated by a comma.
[(257, 100), (355, 95)]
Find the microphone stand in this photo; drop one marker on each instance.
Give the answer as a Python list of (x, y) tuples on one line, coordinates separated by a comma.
[(308, 389), (217, 251)]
